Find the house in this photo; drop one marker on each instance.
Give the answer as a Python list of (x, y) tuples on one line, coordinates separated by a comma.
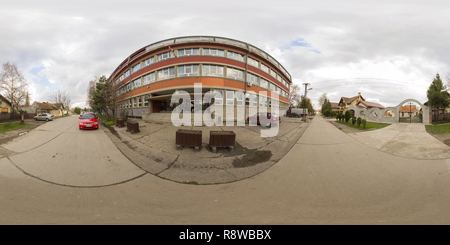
[(407, 110), (345, 102), (335, 107), (5, 105), (368, 105), (441, 110), (45, 107)]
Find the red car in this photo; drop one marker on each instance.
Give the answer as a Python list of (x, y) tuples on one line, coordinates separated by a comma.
[(265, 119), (88, 121)]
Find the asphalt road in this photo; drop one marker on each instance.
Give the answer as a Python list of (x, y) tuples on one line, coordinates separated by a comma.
[(61, 175)]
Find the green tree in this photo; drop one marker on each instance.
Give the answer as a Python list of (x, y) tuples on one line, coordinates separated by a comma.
[(358, 121), (353, 121), (364, 123), (437, 96), (77, 110), (348, 115)]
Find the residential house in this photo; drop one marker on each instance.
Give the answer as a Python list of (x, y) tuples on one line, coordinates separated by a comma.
[(345, 102), (407, 110), (335, 107), (5, 105), (45, 107)]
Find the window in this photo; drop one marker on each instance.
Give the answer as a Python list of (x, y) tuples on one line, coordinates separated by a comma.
[(188, 70), (255, 100), (122, 90), (272, 87), (136, 67), (252, 79), (150, 78), (134, 102), (187, 52), (252, 62), (140, 101), (117, 82), (264, 83), (273, 73), (146, 101), (127, 73), (218, 98), (264, 68), (164, 56), (166, 73), (148, 61), (137, 83), (236, 56), (279, 78), (212, 70), (213, 52), (239, 98), (128, 87), (262, 101), (230, 97), (121, 78), (235, 73)]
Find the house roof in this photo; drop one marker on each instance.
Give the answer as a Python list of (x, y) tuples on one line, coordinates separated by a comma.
[(334, 105), (4, 99), (350, 100), (371, 104), (408, 108), (47, 106)]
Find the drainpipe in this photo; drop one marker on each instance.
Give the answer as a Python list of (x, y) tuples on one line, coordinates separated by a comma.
[(245, 85), (131, 90)]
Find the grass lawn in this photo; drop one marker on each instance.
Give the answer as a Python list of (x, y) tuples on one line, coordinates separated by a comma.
[(438, 129), (10, 126), (369, 125)]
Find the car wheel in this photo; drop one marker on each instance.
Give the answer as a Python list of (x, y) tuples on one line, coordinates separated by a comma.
[(35, 119), (46, 119), (268, 124)]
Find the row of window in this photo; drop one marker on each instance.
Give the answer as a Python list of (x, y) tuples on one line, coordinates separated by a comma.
[(205, 51), (206, 70), (218, 40), (254, 100)]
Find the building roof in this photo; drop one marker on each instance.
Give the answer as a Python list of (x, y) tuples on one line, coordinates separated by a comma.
[(350, 100), (408, 108), (334, 105), (47, 106), (371, 104), (4, 99)]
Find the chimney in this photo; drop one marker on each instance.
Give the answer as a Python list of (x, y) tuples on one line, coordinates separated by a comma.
[(359, 93)]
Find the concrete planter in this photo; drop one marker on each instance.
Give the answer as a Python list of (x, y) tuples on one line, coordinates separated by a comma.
[(222, 139), (133, 127), (120, 123), (190, 138)]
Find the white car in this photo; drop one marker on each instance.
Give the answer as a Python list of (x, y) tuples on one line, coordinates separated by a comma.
[(44, 116)]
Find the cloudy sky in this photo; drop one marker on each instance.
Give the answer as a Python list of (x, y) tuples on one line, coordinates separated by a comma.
[(387, 50)]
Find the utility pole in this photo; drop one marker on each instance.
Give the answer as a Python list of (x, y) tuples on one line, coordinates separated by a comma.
[(304, 98)]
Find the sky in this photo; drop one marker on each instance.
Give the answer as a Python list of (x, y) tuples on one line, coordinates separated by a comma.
[(387, 50)]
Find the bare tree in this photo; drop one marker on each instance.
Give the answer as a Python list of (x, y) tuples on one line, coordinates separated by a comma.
[(13, 85), (90, 92), (322, 99), (61, 97), (294, 96)]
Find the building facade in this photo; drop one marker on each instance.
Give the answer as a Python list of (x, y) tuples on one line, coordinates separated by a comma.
[(146, 80)]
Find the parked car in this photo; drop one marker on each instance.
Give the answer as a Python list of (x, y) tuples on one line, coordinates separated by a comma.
[(44, 116), (88, 121), (84, 112), (265, 119), (294, 115)]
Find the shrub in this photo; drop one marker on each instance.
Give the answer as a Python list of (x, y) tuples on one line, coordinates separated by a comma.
[(341, 117), (364, 123), (348, 115), (358, 121), (353, 121)]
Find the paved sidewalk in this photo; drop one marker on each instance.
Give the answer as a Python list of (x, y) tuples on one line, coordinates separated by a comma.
[(153, 149), (409, 140)]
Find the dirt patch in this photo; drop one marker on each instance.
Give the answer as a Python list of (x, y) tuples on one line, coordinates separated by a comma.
[(444, 138), (251, 158), (8, 136)]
